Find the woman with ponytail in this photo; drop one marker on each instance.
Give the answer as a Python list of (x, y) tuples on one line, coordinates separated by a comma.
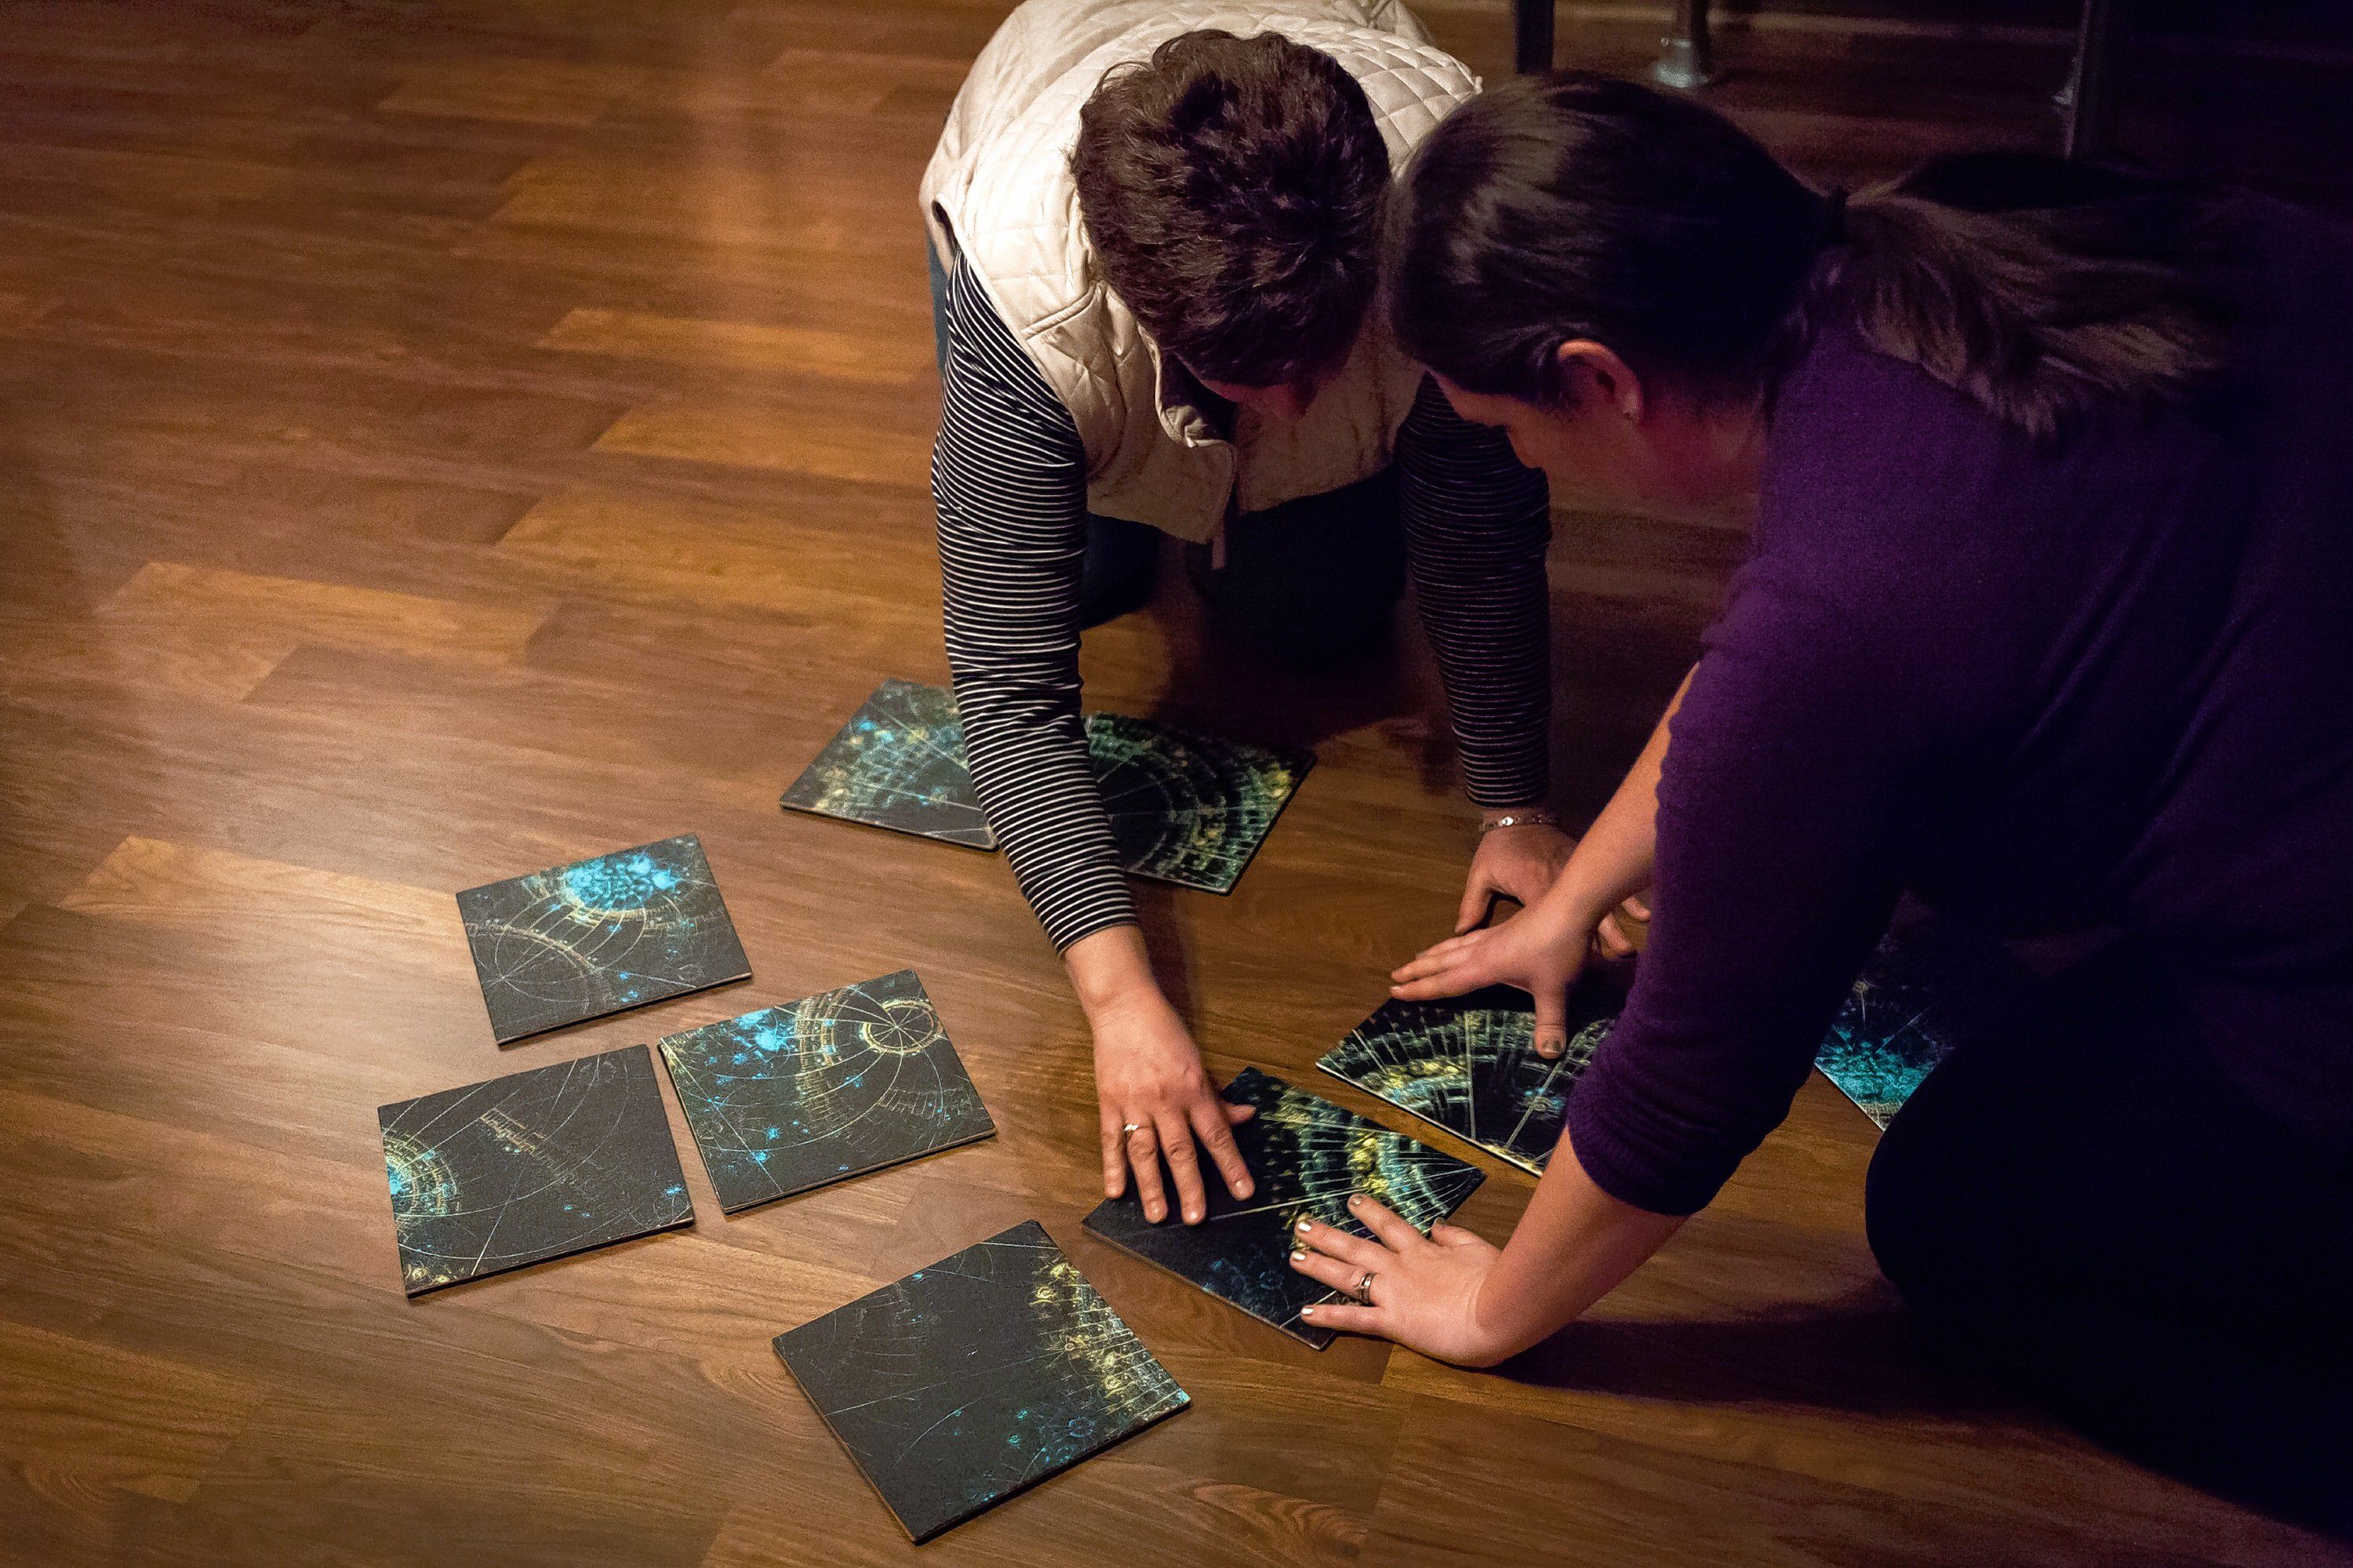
[(2048, 620)]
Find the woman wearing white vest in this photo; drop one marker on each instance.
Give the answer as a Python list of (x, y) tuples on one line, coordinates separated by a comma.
[(1153, 239)]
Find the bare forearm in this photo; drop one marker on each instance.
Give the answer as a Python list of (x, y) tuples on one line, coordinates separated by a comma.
[(1572, 1247), (1615, 858)]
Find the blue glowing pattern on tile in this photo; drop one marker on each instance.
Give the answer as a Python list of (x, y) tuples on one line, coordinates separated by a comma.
[(529, 1167), (600, 937), (898, 764), (1184, 807), (1927, 990), (1306, 1156), (977, 1377), (1469, 1065), (822, 1089)]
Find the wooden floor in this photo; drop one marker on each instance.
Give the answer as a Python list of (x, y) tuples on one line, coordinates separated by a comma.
[(438, 439)]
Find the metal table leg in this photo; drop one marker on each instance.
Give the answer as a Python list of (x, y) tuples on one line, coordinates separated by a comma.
[(1690, 58), (2089, 103), (1532, 35)]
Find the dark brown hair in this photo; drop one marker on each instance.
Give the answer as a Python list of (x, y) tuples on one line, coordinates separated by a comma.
[(1231, 188), (1577, 206)]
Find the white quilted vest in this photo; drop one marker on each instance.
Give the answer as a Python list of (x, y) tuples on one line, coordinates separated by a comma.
[(1000, 184)]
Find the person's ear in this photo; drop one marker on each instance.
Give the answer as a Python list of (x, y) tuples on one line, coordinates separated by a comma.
[(1595, 377)]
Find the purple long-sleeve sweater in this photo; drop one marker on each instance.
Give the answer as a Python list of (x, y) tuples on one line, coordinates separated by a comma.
[(2106, 684)]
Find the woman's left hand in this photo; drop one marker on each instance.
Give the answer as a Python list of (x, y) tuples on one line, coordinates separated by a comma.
[(1425, 1289), (1520, 862), (1539, 951)]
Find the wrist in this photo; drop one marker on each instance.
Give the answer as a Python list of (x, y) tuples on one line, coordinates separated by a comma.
[(1497, 1330), (1521, 817), (1111, 972), (1579, 898), (1600, 874)]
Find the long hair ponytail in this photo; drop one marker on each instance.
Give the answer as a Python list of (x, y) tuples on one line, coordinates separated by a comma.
[(1578, 206)]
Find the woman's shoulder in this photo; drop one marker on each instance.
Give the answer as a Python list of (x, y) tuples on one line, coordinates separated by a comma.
[(1872, 463), (1845, 408), (2292, 245), (2287, 279), (1898, 522)]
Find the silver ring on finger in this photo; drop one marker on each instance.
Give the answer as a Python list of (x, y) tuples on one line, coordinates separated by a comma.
[(1364, 1291), (1130, 1128)]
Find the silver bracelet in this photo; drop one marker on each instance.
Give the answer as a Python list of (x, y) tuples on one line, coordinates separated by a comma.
[(1535, 817)]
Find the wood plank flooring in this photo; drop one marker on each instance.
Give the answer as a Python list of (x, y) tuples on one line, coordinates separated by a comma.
[(440, 437)]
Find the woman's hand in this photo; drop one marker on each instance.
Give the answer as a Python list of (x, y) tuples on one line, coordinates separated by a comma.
[(1424, 1292), (1535, 950), (1520, 862), (1149, 1079), (1619, 934)]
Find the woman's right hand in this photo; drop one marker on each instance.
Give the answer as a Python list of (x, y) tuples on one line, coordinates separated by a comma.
[(1539, 951), (1156, 1100), (1154, 1097)]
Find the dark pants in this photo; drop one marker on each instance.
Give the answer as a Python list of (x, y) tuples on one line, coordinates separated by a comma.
[(1310, 582), (2093, 1214)]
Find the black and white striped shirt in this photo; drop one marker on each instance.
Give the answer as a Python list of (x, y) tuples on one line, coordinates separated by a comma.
[(1009, 478)]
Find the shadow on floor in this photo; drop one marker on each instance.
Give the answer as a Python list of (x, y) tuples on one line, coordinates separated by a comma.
[(1856, 1352)]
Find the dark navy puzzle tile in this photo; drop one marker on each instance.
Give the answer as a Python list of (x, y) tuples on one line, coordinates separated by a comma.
[(898, 764), (1306, 1155), (1469, 1065), (529, 1167), (1927, 990), (822, 1089), (981, 1375), (1186, 808), (600, 937)]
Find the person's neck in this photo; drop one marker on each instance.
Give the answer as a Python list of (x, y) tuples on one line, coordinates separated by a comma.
[(1724, 466)]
